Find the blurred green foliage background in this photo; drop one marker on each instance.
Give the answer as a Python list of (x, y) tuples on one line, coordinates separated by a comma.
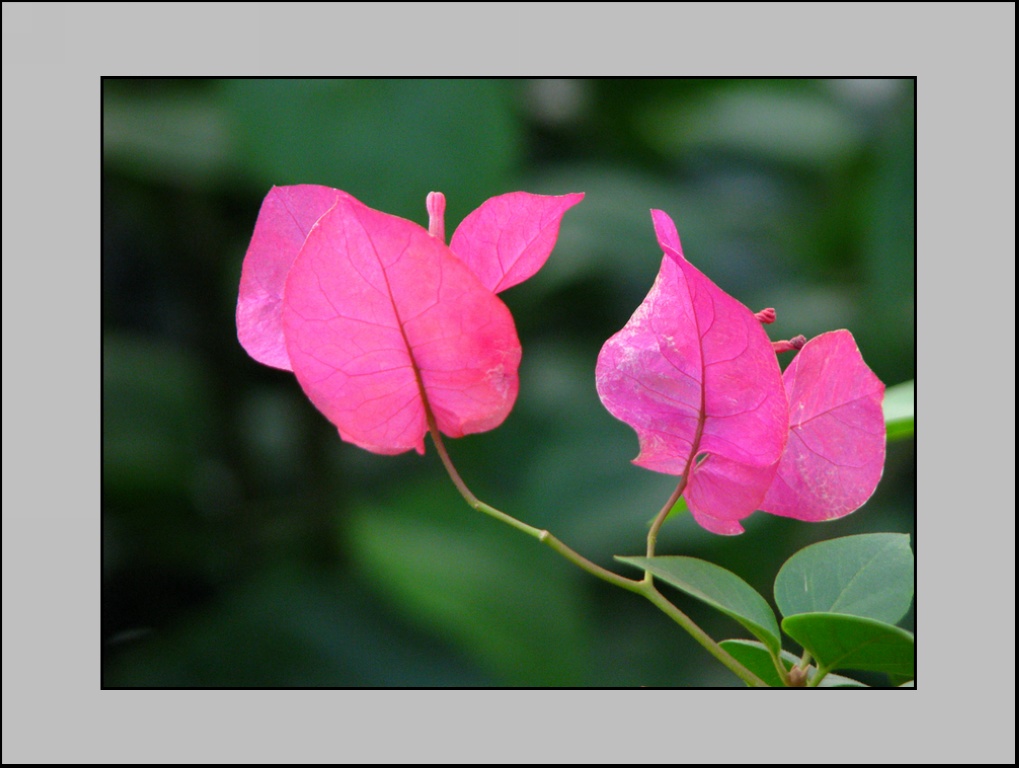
[(245, 545)]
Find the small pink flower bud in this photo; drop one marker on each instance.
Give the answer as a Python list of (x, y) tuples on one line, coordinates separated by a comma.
[(793, 344), (435, 204)]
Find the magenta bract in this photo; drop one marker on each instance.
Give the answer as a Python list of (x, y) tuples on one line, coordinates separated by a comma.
[(381, 323), (694, 373), (836, 450), (286, 217), (509, 237)]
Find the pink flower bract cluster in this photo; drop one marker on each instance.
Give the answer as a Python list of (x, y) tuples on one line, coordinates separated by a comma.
[(381, 322), (694, 373)]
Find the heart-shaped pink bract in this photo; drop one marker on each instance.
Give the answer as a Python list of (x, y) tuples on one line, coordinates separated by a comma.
[(381, 323), (695, 375), (508, 238), (836, 450)]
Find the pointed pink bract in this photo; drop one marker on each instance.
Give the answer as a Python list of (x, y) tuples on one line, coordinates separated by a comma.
[(508, 238), (286, 217), (694, 374), (836, 450), (380, 318)]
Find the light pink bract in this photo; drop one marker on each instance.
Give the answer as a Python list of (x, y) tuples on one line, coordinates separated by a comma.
[(836, 450)]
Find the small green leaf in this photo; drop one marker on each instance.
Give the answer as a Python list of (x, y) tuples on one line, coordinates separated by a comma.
[(837, 641), (899, 406), (757, 658), (870, 575), (719, 588)]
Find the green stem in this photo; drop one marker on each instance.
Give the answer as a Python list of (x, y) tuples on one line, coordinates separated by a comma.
[(818, 677), (702, 637), (473, 500), (652, 536), (643, 586), (541, 535), (783, 673)]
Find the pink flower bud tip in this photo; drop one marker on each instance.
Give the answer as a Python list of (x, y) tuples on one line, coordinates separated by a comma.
[(435, 204)]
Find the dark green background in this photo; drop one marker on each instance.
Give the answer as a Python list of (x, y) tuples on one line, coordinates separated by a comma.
[(246, 545)]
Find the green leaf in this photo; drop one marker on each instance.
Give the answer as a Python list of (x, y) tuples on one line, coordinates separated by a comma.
[(719, 588), (837, 641), (757, 658), (899, 405), (870, 575)]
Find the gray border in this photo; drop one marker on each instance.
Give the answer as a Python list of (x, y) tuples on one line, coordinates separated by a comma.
[(53, 56)]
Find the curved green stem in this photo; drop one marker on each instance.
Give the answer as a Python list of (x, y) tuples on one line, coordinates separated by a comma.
[(652, 536), (783, 673), (702, 637), (818, 677), (644, 587), (541, 535)]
